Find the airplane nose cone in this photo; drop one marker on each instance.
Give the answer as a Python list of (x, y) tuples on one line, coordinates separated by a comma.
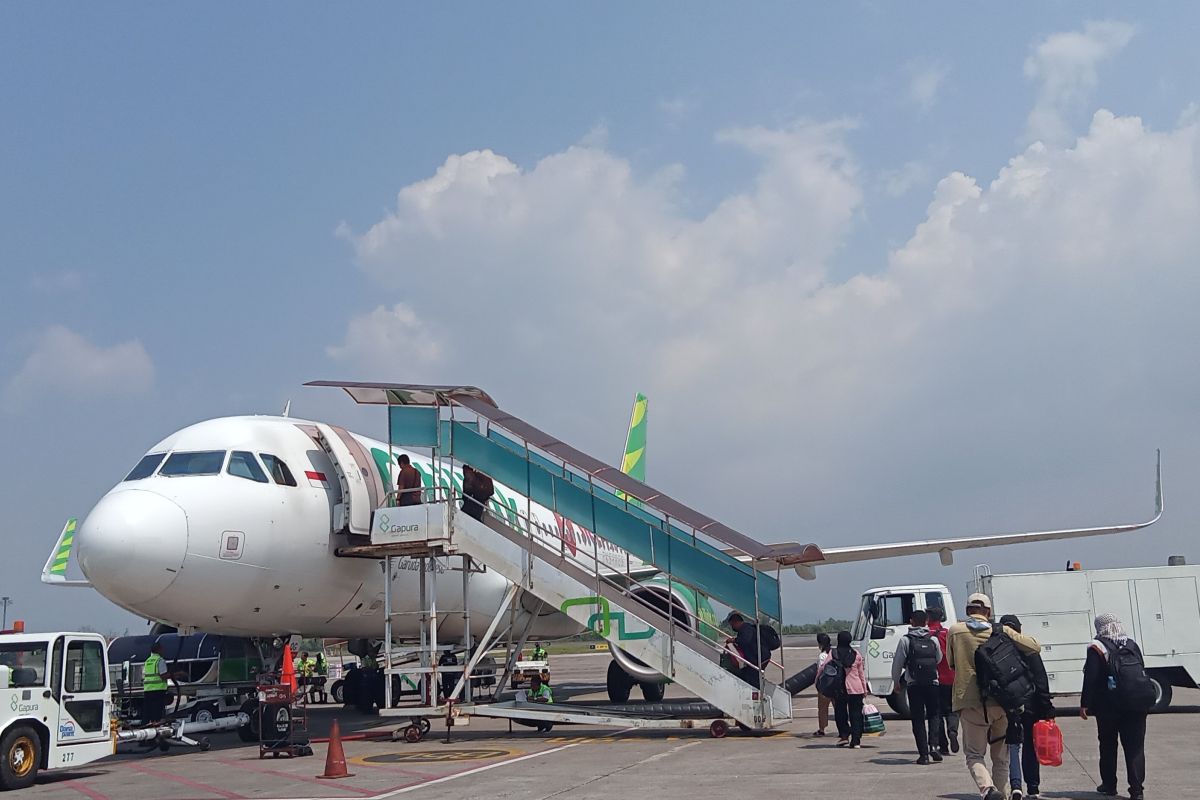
[(132, 545)]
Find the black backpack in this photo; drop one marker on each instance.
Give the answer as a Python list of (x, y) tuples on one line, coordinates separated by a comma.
[(831, 681), (769, 638), (922, 661), (1134, 692), (1002, 673)]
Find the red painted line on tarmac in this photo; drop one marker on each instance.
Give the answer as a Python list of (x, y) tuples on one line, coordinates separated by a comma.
[(281, 774), (86, 791), (204, 787)]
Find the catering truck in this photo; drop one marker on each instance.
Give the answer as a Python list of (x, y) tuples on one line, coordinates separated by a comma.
[(55, 704), (1160, 607)]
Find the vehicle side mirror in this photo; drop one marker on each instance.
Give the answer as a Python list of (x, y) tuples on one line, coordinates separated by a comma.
[(878, 631)]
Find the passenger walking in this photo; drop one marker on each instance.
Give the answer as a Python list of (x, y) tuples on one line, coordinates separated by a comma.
[(1119, 694), (984, 720), (947, 726), (1022, 758), (408, 482), (848, 707), (915, 672), (754, 644), (825, 648), (477, 490)]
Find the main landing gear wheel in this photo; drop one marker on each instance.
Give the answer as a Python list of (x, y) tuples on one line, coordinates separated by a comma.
[(653, 692), (719, 729), (619, 683)]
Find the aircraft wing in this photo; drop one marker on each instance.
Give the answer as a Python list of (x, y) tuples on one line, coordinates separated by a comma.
[(55, 571), (945, 547)]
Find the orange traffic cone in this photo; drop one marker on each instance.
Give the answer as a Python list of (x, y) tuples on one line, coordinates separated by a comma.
[(335, 757), (287, 676)]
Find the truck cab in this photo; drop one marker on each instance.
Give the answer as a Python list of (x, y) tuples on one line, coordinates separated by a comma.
[(55, 704), (882, 619)]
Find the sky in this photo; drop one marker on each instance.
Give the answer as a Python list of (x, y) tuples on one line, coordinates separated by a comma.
[(885, 272)]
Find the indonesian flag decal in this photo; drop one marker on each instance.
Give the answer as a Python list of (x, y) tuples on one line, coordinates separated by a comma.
[(316, 479)]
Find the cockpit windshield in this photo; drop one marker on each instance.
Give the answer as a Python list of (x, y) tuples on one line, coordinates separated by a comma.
[(203, 462), (244, 465), (145, 468)]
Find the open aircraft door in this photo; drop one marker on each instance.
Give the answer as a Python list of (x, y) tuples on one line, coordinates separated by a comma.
[(362, 488)]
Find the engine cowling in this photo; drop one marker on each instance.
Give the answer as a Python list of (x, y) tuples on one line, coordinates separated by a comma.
[(690, 609)]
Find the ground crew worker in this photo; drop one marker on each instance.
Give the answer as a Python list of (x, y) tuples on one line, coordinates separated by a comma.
[(408, 483), (305, 668), (154, 686), (540, 692), (984, 723), (539, 652)]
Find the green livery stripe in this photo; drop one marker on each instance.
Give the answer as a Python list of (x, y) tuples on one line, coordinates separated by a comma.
[(633, 463), (63, 556)]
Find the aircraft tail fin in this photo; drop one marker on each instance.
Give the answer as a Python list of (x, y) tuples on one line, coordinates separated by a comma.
[(55, 571), (633, 462)]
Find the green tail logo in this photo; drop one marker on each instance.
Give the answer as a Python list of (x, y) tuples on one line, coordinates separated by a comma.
[(59, 565)]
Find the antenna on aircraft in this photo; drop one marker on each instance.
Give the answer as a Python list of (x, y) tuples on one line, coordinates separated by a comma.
[(287, 407)]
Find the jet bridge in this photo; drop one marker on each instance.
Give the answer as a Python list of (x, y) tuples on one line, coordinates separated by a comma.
[(651, 532)]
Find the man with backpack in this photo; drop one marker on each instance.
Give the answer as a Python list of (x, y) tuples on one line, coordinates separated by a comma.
[(1119, 694), (746, 638), (991, 680), (915, 671)]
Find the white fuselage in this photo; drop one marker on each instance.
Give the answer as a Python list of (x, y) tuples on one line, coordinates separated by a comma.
[(234, 555)]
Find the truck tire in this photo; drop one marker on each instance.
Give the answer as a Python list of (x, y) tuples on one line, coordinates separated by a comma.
[(22, 753), (1162, 694), (898, 701), (653, 692), (249, 732), (619, 683), (336, 692)]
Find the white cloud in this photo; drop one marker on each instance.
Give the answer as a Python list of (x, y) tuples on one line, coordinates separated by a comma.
[(387, 340), (902, 180), (1045, 311), (924, 84), (675, 110), (63, 362), (1064, 67)]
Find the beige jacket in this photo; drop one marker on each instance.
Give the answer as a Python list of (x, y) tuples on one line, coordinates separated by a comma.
[(962, 642)]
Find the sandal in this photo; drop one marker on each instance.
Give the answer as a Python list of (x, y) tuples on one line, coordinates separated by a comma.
[(818, 733)]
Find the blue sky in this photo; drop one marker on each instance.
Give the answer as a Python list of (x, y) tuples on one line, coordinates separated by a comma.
[(199, 211)]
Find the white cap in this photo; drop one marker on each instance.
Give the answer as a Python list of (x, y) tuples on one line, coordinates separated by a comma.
[(979, 599)]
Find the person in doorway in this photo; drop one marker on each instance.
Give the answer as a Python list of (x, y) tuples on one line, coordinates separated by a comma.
[(1113, 674), (947, 723), (848, 708), (408, 482), (1022, 758), (154, 687), (915, 672), (984, 722), (824, 650)]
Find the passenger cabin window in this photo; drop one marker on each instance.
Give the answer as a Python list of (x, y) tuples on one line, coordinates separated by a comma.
[(204, 462), (244, 465), (279, 470), (145, 468)]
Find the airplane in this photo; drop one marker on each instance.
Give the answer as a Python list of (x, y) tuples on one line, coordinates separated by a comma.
[(229, 526)]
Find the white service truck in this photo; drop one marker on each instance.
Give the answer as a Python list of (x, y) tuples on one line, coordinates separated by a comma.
[(1160, 607), (55, 704)]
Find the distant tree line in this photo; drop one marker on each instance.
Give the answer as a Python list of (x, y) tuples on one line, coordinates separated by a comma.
[(830, 626)]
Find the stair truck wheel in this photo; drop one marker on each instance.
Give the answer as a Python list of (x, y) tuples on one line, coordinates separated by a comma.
[(412, 734), (1162, 693), (719, 729), (619, 683), (22, 752), (653, 692)]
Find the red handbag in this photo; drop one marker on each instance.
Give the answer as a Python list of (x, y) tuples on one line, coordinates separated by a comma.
[(1048, 743)]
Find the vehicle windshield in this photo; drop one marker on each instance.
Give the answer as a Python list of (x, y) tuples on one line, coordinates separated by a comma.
[(145, 468), (862, 625), (204, 462), (27, 660)]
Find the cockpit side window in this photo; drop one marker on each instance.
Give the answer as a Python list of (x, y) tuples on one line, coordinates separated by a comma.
[(244, 465), (204, 462), (279, 470), (145, 468)]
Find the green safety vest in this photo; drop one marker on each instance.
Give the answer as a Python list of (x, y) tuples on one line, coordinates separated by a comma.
[(543, 692), (151, 680), (540, 654)]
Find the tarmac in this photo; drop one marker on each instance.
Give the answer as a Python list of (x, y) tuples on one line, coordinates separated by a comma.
[(488, 759)]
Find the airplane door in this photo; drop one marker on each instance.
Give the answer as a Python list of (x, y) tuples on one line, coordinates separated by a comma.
[(83, 716)]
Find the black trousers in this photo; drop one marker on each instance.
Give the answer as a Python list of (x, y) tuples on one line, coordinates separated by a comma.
[(1031, 768), (1131, 730), (154, 706), (924, 708), (948, 722), (750, 675), (847, 715)]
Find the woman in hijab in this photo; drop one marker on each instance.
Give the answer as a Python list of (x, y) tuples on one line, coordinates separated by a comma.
[(1100, 699), (847, 709)]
